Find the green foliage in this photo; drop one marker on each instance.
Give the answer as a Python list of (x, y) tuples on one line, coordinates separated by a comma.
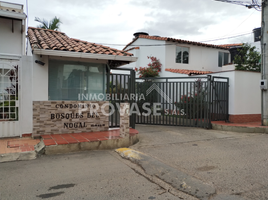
[(53, 24), (248, 59), (193, 105), (153, 69)]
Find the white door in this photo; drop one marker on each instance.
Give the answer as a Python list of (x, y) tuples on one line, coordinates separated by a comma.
[(9, 98)]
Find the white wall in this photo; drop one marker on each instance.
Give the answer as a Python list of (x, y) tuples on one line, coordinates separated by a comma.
[(26, 105), (11, 42), (247, 93), (200, 58), (144, 51), (244, 92), (40, 79)]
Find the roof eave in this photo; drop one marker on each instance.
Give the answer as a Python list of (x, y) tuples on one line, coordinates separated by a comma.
[(84, 55), (12, 15)]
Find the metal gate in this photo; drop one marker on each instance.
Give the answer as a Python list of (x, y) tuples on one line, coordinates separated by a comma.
[(219, 98), (121, 88), (187, 101)]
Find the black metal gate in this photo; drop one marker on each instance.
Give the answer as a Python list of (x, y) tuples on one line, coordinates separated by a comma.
[(187, 101), (219, 98), (121, 87), (176, 101)]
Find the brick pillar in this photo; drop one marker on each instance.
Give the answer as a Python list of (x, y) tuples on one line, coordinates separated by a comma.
[(124, 119)]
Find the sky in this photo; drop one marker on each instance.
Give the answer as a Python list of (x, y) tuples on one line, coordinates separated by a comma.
[(113, 22)]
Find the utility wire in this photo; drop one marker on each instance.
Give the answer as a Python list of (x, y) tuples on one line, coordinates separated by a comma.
[(227, 37), (148, 45)]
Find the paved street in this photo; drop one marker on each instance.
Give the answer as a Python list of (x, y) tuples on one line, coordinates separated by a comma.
[(83, 175), (233, 163)]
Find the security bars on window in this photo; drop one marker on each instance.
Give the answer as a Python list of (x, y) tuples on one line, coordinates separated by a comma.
[(8, 93)]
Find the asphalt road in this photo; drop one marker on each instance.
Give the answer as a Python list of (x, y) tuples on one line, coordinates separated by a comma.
[(83, 175), (234, 163)]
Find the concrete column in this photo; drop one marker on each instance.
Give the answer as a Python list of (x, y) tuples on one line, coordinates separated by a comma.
[(124, 119), (264, 68)]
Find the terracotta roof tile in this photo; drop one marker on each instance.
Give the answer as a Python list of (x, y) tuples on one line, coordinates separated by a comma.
[(174, 40), (231, 45), (187, 71), (55, 40)]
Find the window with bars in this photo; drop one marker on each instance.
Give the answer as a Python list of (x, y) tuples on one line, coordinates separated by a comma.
[(8, 93)]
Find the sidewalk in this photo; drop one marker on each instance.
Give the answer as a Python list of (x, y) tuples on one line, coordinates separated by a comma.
[(28, 148), (249, 127), (15, 145)]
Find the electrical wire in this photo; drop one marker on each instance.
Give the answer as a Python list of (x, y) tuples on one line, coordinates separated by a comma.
[(255, 4), (149, 45), (241, 23)]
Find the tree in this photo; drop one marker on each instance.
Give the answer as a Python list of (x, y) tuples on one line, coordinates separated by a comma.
[(248, 59), (53, 24)]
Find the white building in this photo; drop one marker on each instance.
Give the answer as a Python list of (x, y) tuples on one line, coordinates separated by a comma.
[(181, 58), (12, 53), (179, 54), (56, 69)]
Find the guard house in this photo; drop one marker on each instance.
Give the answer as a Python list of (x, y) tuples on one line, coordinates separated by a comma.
[(41, 91)]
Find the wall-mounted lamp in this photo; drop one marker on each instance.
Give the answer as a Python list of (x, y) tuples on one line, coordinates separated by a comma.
[(39, 62)]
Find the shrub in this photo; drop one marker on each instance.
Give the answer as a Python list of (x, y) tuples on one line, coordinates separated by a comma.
[(153, 69), (193, 105)]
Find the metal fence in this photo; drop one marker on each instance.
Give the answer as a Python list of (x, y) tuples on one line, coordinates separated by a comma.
[(185, 101)]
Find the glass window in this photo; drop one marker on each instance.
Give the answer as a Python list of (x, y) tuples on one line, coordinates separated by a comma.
[(223, 59), (73, 80), (182, 55)]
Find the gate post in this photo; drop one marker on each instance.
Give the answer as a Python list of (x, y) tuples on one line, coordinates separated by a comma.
[(132, 89), (209, 81)]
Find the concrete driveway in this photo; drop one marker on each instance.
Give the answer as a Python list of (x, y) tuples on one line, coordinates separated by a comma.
[(234, 163)]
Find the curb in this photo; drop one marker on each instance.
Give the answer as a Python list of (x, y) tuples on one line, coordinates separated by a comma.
[(97, 145), (177, 179), (28, 155), (240, 129), (41, 149)]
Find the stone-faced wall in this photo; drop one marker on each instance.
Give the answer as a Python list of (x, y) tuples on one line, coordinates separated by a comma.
[(124, 119), (55, 117)]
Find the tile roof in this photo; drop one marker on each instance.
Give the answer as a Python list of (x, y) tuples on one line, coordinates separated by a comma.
[(187, 71), (132, 48), (231, 45), (54, 40), (174, 40)]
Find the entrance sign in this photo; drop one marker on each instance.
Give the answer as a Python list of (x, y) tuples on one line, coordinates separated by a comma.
[(55, 117)]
